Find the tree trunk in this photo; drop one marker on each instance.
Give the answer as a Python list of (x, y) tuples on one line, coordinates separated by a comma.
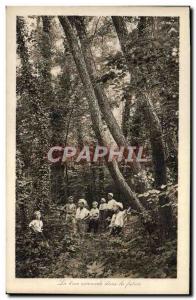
[(156, 140), (56, 116), (126, 117), (123, 37), (99, 92), (158, 153), (95, 112), (24, 82), (28, 97), (103, 102)]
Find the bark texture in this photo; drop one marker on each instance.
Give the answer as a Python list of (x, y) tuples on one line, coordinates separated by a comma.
[(56, 116)]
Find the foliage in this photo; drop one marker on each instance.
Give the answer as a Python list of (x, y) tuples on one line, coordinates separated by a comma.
[(98, 256)]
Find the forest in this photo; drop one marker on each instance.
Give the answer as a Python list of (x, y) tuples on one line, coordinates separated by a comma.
[(83, 81)]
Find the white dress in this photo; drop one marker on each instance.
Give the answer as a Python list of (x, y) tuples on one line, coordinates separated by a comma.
[(118, 219)]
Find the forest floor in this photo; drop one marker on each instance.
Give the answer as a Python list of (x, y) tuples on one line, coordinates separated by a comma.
[(133, 255)]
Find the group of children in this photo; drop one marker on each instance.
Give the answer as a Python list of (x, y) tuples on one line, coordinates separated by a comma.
[(80, 219), (100, 217)]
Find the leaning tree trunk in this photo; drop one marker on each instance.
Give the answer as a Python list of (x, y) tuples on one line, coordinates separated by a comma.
[(95, 112), (156, 139), (99, 92), (103, 102)]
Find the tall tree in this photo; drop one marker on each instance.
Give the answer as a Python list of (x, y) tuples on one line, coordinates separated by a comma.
[(158, 153), (101, 96), (95, 111), (31, 133), (99, 91), (152, 121), (55, 113)]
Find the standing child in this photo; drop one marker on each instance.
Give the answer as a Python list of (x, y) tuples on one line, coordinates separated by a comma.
[(36, 226), (103, 214), (111, 205), (70, 218), (82, 214), (118, 219), (94, 218)]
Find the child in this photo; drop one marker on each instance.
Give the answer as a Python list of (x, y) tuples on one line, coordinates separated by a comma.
[(94, 218), (70, 218), (118, 219), (82, 214), (103, 214), (36, 226), (111, 205)]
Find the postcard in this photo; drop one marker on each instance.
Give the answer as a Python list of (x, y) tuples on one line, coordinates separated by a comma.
[(98, 150)]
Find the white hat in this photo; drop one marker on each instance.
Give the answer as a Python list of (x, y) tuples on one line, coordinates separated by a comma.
[(37, 212), (103, 199), (111, 194), (119, 204), (95, 202), (82, 201)]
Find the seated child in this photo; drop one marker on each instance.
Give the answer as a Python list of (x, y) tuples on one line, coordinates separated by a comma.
[(103, 210), (94, 218), (70, 218), (118, 219), (82, 214)]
